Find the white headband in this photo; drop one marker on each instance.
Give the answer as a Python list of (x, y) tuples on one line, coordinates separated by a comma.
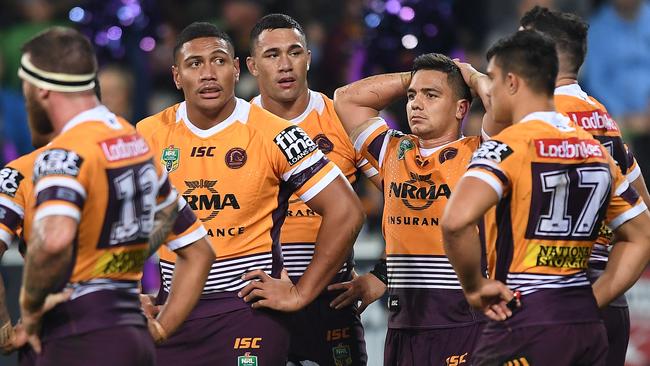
[(54, 81)]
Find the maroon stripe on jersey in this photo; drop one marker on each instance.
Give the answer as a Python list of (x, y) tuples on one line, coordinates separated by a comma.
[(297, 180), (615, 146), (184, 220), (165, 188), (278, 215), (630, 195), (629, 158), (10, 218), (504, 242), (502, 177), (374, 147), (58, 193)]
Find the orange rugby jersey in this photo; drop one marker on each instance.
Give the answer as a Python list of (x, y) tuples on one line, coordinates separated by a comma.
[(555, 183), (100, 172), (424, 291), (588, 113), (237, 177), (15, 191), (16, 187), (298, 235)]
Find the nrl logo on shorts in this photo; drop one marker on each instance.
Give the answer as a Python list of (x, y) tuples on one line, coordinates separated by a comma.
[(170, 158), (342, 355), (404, 146), (247, 360)]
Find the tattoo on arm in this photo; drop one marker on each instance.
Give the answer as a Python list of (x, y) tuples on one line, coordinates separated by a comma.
[(44, 271), (163, 224)]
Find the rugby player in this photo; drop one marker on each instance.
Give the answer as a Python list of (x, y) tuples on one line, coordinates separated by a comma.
[(279, 61), (91, 234), (239, 164), (430, 322), (569, 33), (552, 185)]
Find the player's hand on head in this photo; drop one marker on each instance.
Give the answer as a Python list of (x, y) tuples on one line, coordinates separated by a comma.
[(273, 293), (492, 298), (477, 81), (366, 288)]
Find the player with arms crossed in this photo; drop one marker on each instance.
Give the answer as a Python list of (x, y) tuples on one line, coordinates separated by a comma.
[(569, 33), (552, 185), (280, 61), (100, 207), (430, 322), (239, 164)]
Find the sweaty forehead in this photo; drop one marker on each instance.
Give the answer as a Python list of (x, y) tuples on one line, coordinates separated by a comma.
[(204, 46), (278, 38)]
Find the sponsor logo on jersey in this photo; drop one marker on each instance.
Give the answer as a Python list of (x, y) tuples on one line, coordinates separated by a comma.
[(130, 261), (593, 120), (202, 151), (418, 188), (557, 256), (10, 181), (294, 143), (247, 360), (570, 149), (247, 342), (209, 198), (125, 147), (494, 150), (57, 162), (236, 158), (324, 144), (404, 146), (170, 158), (342, 355)]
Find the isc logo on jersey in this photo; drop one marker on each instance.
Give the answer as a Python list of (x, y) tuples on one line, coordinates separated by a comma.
[(10, 181), (294, 143), (57, 162)]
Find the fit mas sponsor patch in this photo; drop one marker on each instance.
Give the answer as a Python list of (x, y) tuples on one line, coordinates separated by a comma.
[(10, 180), (57, 162), (294, 143)]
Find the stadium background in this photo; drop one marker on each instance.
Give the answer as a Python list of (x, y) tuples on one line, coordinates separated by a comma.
[(349, 40)]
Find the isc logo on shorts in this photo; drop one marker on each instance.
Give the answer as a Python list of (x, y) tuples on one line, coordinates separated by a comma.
[(247, 343), (456, 360), (294, 143)]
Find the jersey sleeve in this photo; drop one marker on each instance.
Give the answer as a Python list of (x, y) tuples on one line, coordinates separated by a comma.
[(12, 203), (373, 141), (300, 164), (187, 228), (364, 166), (496, 162), (61, 178), (633, 170), (625, 202)]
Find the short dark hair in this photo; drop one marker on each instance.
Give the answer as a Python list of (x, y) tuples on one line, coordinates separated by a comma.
[(442, 63), (274, 21), (567, 30), (529, 54), (61, 50), (201, 30)]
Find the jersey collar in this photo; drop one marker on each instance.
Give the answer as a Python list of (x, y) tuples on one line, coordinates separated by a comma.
[(240, 114), (573, 90), (99, 113), (316, 102), (555, 119)]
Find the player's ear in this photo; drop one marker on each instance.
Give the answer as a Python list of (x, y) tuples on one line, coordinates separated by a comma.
[(462, 108), (512, 83), (308, 59), (252, 67), (43, 93), (237, 69), (177, 77)]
